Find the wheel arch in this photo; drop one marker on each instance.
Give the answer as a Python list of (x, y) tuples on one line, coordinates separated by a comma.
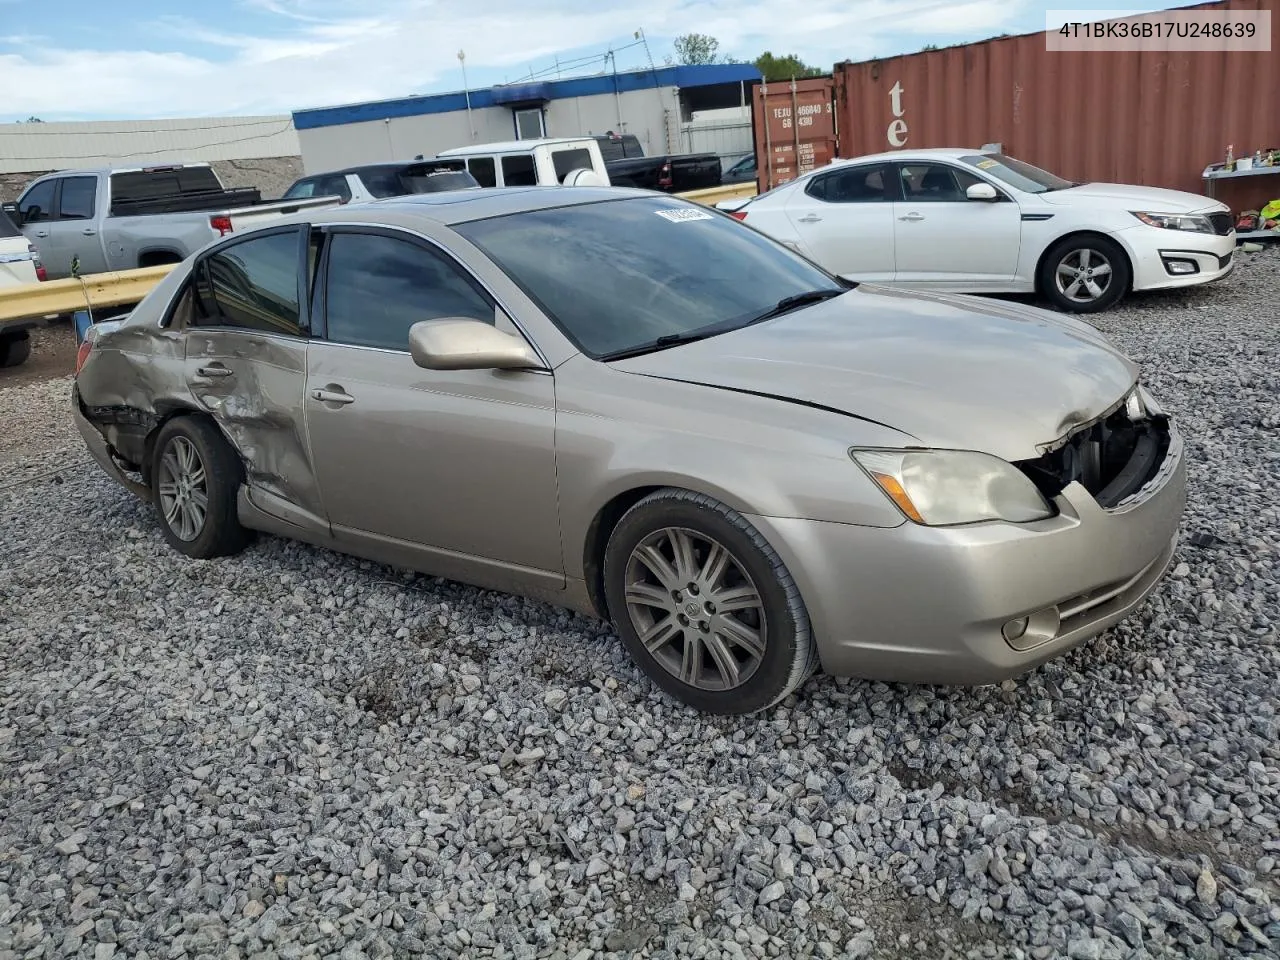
[(165, 413), (1053, 245), (156, 256)]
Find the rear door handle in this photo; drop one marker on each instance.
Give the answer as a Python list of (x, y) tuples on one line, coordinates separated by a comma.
[(811, 218), (216, 371), (42, 233), (89, 232), (332, 396), (912, 217)]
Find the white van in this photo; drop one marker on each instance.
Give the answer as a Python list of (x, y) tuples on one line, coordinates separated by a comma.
[(563, 161)]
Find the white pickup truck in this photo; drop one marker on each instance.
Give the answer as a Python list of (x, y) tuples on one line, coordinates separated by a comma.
[(90, 221)]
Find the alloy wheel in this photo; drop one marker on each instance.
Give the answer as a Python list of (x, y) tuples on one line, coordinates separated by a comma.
[(183, 487), (1083, 275), (695, 609)]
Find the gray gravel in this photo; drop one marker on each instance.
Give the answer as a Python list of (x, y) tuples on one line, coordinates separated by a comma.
[(295, 754)]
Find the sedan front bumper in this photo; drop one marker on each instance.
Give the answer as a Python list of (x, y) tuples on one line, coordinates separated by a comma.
[(1158, 256), (927, 604)]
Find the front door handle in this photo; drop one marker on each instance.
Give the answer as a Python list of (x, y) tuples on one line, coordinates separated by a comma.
[(216, 371), (912, 218), (89, 232), (811, 218), (332, 396)]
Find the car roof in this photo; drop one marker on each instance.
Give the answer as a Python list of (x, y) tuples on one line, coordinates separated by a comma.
[(509, 146), (462, 206), (371, 167)]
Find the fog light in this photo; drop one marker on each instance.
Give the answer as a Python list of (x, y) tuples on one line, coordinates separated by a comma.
[(1181, 266), (1014, 629)]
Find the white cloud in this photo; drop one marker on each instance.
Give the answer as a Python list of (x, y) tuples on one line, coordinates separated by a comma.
[(323, 55)]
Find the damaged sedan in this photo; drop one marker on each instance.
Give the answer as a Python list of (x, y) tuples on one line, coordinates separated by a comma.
[(640, 409)]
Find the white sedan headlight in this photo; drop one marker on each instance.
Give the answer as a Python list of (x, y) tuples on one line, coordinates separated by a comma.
[(942, 487), (1192, 223)]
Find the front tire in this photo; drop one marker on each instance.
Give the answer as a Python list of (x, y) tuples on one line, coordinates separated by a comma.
[(195, 479), (1085, 274), (705, 606)]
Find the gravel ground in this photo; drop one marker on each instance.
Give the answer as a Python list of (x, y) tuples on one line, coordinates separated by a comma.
[(295, 754)]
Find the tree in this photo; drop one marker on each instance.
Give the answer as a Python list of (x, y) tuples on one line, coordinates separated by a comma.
[(33, 120), (774, 69), (696, 48)]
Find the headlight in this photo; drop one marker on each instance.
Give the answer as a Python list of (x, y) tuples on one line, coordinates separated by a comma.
[(1175, 221), (941, 487)]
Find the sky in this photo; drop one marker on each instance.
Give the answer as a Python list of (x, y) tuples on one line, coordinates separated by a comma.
[(140, 59)]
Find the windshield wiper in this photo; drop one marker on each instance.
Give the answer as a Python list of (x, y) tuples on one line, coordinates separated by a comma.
[(691, 336), (787, 304)]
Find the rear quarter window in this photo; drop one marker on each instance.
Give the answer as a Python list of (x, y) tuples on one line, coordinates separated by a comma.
[(567, 161)]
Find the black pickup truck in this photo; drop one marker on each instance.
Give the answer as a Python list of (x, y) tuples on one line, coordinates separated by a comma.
[(628, 166)]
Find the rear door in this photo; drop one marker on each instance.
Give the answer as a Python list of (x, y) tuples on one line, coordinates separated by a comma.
[(246, 356), (844, 220), (942, 238)]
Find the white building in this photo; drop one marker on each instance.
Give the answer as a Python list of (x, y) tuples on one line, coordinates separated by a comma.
[(683, 109)]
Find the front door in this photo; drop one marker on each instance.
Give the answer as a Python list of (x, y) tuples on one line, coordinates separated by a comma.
[(844, 220), (63, 228), (461, 462), (942, 238)]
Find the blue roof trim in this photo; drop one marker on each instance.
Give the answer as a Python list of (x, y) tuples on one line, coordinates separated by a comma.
[(683, 76), (522, 93)]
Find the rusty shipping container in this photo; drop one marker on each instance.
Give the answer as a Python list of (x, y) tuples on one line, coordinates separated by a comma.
[(794, 124), (1151, 117)]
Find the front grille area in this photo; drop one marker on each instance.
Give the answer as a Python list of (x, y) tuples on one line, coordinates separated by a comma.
[(1222, 223), (1112, 459)]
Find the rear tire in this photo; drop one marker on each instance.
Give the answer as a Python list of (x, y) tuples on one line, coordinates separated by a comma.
[(1084, 273), (705, 605), (195, 480), (15, 348)]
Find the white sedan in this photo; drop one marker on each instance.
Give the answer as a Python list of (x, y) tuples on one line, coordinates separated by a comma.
[(964, 221)]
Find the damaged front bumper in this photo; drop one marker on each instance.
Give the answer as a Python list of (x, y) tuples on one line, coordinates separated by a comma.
[(982, 602), (101, 451)]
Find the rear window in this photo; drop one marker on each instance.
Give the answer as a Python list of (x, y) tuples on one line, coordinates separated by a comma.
[(567, 161), (620, 147), (162, 182)]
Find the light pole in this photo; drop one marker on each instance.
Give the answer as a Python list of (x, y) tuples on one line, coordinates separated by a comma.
[(462, 59)]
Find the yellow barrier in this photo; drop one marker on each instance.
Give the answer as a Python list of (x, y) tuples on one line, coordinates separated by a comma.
[(713, 195), (67, 296)]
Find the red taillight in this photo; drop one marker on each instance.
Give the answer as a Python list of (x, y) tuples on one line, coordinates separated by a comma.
[(738, 214), (41, 274), (221, 224), (664, 175), (83, 354)]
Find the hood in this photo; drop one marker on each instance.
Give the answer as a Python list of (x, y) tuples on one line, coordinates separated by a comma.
[(1130, 197), (949, 370)]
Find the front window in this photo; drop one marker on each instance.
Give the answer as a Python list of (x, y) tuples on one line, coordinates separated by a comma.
[(617, 275), (1017, 174)]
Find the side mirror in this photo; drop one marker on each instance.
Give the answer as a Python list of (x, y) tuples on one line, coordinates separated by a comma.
[(982, 191), (459, 343), (11, 208)]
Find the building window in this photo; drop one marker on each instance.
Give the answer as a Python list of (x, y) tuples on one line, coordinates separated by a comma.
[(529, 124)]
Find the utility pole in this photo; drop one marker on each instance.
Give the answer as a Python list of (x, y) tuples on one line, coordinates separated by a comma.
[(462, 59)]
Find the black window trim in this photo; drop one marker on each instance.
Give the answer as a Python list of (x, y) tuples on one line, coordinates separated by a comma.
[(304, 306), (1001, 195), (321, 329), (895, 190)]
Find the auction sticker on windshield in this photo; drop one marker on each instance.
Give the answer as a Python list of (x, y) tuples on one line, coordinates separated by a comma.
[(680, 216)]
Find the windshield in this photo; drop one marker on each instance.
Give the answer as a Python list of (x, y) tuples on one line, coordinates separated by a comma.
[(1019, 175), (619, 274)]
